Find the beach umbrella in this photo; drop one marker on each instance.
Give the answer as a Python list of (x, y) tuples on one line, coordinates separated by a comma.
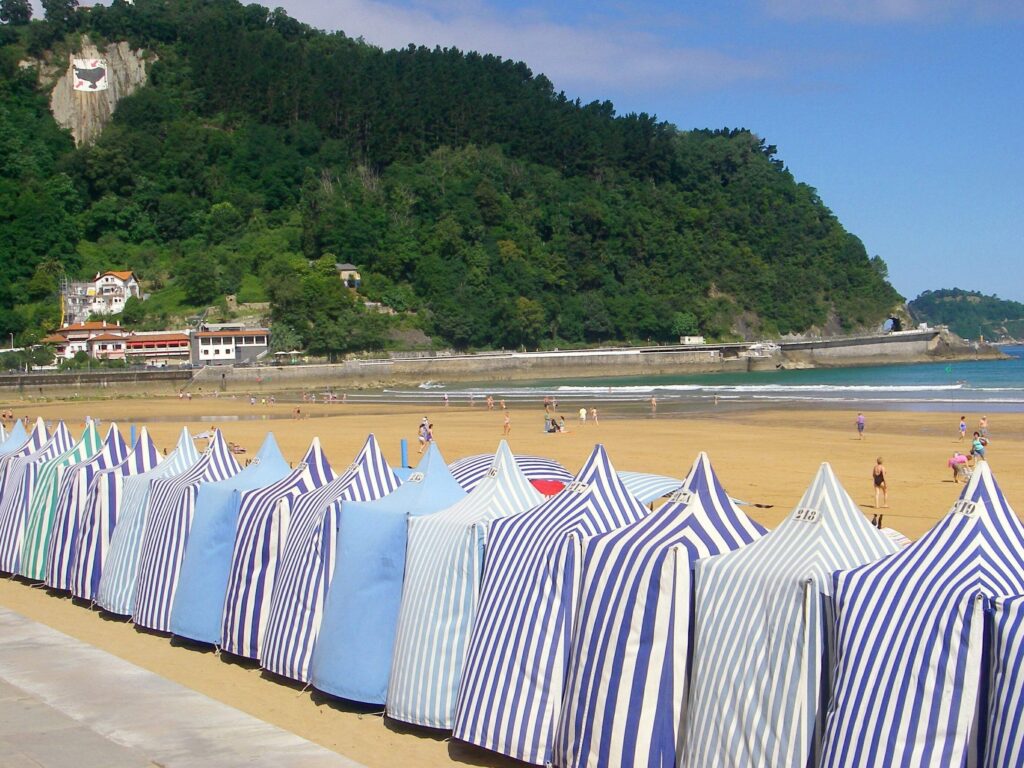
[(627, 681), (43, 505), (759, 647), (100, 516), (443, 569), (221, 507), (512, 685), (14, 439), (908, 687), (71, 500), (279, 625), (1005, 739), (647, 487), (352, 655), (22, 470), (120, 570), (471, 470), (172, 506)]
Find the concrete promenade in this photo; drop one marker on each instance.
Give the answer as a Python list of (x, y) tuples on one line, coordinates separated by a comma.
[(65, 704)]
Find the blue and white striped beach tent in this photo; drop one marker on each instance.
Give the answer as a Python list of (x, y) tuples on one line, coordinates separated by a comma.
[(443, 570), (172, 505), (42, 507), (510, 696), (280, 625), (1005, 739), (910, 637), (22, 471), (14, 439), (647, 487), (626, 689), (756, 695), (100, 516), (199, 601), (472, 469), (352, 656), (120, 569), (72, 498), (32, 443)]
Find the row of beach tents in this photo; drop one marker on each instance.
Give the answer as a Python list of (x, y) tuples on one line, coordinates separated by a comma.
[(550, 617)]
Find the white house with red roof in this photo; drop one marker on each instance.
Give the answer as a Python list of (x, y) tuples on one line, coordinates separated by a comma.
[(105, 294)]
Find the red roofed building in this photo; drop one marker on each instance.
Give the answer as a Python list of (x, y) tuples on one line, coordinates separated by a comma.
[(77, 337), (161, 349), (106, 294)]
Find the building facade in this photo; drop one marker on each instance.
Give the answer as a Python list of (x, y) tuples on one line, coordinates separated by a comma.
[(229, 346), (105, 294)]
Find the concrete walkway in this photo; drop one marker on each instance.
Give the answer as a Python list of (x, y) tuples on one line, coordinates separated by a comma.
[(65, 704)]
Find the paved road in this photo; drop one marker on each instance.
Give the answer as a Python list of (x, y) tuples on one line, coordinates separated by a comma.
[(65, 704)]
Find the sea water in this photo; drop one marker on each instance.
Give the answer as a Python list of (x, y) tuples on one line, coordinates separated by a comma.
[(970, 385)]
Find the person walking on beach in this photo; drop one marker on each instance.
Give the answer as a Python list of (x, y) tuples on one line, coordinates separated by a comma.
[(593, 415), (983, 426), (654, 404), (445, 399), (881, 486), (860, 425), (508, 424), (963, 428), (583, 416)]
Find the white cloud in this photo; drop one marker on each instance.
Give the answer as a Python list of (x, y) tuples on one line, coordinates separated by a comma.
[(590, 58)]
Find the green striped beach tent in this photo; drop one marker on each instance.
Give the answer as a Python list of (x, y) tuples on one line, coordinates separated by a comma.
[(444, 566), (18, 489), (43, 505)]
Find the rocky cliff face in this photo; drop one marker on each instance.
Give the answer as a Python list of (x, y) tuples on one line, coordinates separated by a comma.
[(86, 113)]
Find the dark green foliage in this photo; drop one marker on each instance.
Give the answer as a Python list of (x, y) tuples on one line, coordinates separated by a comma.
[(970, 314), (15, 12), (466, 189)]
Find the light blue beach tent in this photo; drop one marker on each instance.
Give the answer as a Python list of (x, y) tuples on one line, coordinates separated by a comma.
[(511, 690), (43, 506), (72, 496), (22, 470), (647, 487), (171, 510), (443, 570), (761, 617), (910, 639), (257, 491), (283, 631), (352, 656), (100, 517), (1004, 744), (14, 439), (117, 581), (627, 682), (31, 443)]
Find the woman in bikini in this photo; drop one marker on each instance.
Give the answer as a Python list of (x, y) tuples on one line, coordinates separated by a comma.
[(878, 475)]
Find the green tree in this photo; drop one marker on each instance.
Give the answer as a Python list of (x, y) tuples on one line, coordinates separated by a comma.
[(684, 324), (60, 12), (15, 12), (198, 276)]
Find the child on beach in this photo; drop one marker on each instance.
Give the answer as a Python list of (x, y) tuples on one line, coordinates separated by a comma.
[(963, 428), (860, 427)]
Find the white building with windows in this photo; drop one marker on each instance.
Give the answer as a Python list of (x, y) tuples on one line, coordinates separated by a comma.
[(229, 346), (106, 294)]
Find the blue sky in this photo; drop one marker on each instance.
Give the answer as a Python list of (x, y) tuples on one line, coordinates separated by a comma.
[(905, 115)]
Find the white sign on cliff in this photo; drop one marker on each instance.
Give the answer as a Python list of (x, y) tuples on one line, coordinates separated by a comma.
[(90, 74)]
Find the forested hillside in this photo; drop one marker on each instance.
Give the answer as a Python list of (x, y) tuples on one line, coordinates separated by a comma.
[(970, 314), (478, 201)]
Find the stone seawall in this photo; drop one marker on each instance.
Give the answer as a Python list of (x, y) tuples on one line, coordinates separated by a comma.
[(477, 368)]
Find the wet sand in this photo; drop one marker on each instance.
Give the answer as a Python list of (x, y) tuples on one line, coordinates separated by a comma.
[(765, 456)]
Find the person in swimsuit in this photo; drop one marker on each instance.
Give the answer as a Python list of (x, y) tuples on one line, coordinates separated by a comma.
[(963, 428), (860, 425), (881, 487)]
